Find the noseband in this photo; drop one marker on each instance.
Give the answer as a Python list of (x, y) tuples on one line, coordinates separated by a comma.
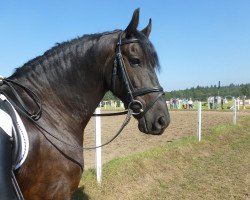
[(134, 104)]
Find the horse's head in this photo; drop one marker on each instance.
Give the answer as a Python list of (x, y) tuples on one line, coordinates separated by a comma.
[(134, 78)]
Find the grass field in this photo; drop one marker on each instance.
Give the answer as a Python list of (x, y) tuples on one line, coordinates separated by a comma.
[(215, 168)]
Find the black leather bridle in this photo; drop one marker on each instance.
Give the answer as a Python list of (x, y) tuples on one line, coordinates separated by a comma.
[(135, 105)]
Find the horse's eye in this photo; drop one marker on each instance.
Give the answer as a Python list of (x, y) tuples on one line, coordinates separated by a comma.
[(134, 61)]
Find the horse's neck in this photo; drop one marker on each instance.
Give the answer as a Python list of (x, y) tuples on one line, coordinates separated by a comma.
[(70, 91)]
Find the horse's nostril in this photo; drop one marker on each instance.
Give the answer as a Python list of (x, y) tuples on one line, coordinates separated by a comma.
[(162, 121), (159, 126)]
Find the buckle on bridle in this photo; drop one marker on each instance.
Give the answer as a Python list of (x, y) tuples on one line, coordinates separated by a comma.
[(136, 107), (1, 80)]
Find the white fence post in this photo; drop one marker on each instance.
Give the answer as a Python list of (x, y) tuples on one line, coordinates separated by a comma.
[(98, 154), (234, 118), (199, 121)]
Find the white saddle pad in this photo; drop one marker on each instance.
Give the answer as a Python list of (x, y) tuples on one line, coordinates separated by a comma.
[(6, 124)]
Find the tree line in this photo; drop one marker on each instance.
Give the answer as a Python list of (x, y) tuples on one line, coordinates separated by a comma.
[(202, 93)]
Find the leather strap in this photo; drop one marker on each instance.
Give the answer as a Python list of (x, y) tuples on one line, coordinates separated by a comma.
[(131, 91), (34, 115), (146, 90), (128, 41), (110, 114)]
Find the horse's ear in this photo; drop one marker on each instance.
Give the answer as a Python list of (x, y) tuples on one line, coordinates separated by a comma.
[(131, 28), (147, 30)]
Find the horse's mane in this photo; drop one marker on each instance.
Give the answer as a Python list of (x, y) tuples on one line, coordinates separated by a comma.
[(57, 48), (63, 46)]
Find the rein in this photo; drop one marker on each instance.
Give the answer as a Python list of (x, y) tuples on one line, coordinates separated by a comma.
[(10, 83), (33, 117)]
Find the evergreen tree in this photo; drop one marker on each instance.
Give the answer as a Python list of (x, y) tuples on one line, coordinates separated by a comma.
[(201, 93)]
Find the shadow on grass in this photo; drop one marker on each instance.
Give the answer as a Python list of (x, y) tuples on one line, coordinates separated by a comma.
[(80, 195)]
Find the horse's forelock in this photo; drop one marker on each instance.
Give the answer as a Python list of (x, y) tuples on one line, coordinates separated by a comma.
[(149, 50)]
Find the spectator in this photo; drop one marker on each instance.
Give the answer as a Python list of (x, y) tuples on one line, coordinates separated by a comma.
[(183, 103), (243, 101), (222, 102), (186, 103), (210, 101), (215, 102), (171, 103), (190, 104), (175, 103)]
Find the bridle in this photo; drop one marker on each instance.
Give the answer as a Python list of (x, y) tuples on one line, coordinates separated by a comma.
[(135, 106)]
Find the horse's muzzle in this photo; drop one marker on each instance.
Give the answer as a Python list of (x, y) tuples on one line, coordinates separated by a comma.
[(155, 127)]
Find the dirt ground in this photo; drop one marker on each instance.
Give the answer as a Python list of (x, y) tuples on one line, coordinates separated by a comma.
[(131, 140)]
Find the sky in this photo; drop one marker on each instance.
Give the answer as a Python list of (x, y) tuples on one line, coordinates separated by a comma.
[(199, 42)]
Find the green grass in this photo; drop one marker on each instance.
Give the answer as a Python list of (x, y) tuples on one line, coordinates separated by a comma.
[(215, 168)]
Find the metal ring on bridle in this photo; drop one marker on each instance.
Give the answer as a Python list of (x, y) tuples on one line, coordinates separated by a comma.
[(138, 110), (1, 80)]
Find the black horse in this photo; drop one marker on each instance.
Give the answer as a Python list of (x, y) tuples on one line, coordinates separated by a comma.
[(71, 79)]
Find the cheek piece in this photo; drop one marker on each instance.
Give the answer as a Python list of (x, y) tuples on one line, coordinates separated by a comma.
[(135, 105)]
